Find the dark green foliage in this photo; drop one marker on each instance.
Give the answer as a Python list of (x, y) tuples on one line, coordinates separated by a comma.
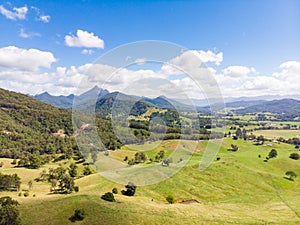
[(73, 170), (79, 214), (76, 189), (9, 212), (295, 156), (9, 182), (234, 148), (29, 125), (87, 171), (108, 196), (115, 190), (291, 175), (140, 157), (33, 161), (170, 199), (66, 183), (26, 194), (131, 188), (273, 154), (159, 156)]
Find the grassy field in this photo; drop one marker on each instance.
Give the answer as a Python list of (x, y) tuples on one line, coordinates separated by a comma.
[(240, 188), (278, 133)]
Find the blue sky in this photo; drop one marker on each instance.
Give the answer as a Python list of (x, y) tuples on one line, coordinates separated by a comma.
[(259, 35)]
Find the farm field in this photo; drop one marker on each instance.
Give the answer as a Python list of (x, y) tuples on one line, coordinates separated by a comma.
[(240, 188), (278, 133)]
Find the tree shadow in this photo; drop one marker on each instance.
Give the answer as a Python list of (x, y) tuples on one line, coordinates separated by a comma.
[(288, 178)]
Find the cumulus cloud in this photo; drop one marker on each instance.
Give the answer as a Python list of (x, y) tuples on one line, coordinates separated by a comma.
[(290, 70), (209, 56), (191, 60), (84, 39), (24, 34), (13, 57), (15, 13), (238, 71)]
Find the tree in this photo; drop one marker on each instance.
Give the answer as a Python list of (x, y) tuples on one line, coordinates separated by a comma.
[(87, 171), (9, 212), (140, 157), (234, 148), (66, 183), (115, 190), (131, 188), (291, 175), (273, 154), (79, 214), (170, 199), (108, 196), (295, 156), (73, 170), (159, 156)]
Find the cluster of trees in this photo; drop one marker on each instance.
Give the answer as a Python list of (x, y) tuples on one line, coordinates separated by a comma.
[(61, 179), (9, 182), (130, 191), (139, 157), (9, 213)]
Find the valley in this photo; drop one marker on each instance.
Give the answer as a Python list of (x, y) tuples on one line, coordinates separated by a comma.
[(244, 184)]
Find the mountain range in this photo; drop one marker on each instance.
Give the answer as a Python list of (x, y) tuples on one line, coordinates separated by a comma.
[(105, 100)]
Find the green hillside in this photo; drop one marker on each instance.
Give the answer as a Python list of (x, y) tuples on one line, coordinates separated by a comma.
[(30, 126), (240, 188)]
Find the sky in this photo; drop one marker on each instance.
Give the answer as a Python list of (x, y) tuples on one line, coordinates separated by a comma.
[(250, 48)]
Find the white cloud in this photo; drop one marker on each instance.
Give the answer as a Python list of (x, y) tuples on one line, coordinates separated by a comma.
[(209, 56), (238, 71), (15, 13), (25, 59), (290, 70), (87, 52), (44, 18), (84, 39), (191, 60), (24, 34)]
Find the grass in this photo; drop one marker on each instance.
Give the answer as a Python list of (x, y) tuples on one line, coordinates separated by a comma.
[(278, 133), (240, 188)]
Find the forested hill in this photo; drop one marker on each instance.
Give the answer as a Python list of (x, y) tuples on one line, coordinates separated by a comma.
[(29, 125), (289, 107)]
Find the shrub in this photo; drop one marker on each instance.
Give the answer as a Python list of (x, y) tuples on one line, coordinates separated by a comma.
[(1, 164), (33, 195), (273, 154), (108, 196), (170, 199), (294, 156), (291, 175), (26, 194), (76, 188), (20, 194), (87, 171), (131, 188), (79, 214), (115, 190)]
